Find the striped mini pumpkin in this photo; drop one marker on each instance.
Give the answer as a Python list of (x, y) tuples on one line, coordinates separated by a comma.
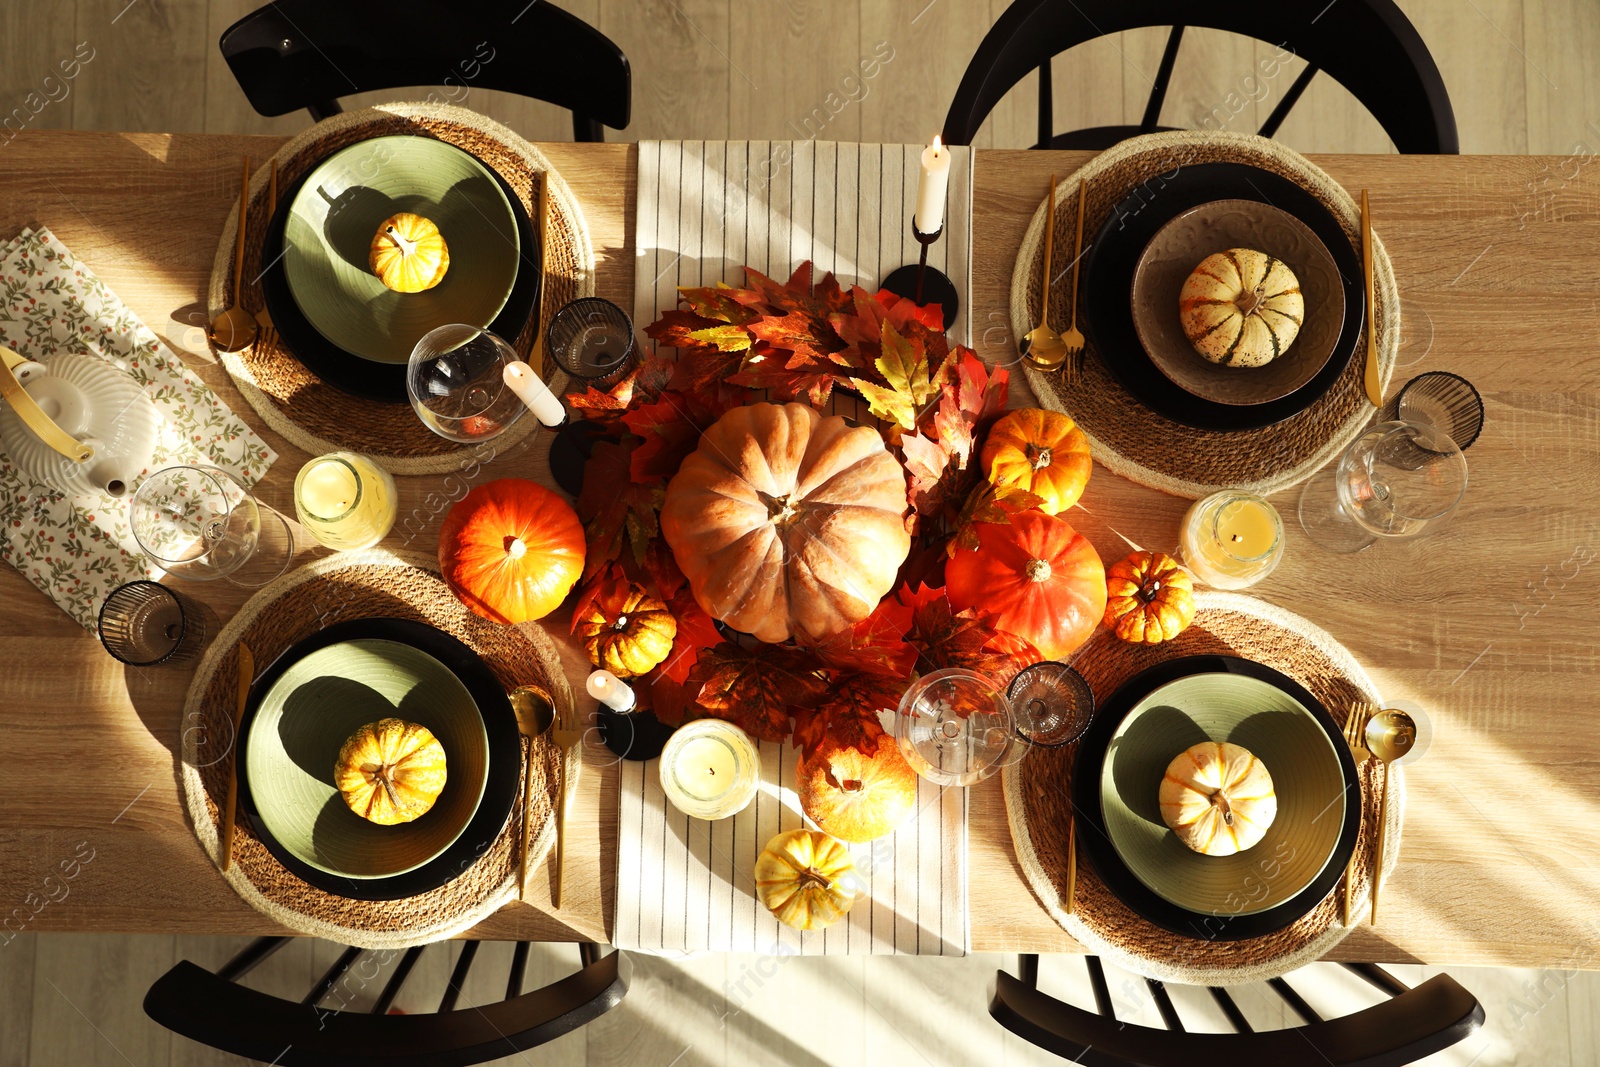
[(1218, 798), (1241, 308)]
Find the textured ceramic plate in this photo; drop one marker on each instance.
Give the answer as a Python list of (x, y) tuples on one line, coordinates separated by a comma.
[(339, 208), (1179, 247), (1284, 735), (304, 719)]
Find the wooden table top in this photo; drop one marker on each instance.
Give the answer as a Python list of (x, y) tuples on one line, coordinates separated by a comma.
[(1486, 624)]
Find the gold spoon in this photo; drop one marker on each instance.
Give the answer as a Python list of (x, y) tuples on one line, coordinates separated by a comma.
[(235, 329), (1043, 346), (1389, 737), (535, 713)]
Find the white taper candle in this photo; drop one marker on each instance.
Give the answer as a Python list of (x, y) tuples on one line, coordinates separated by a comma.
[(534, 393)]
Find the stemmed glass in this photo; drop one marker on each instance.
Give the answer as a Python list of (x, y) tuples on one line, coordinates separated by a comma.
[(1397, 481), (201, 523), (456, 381), (954, 727)]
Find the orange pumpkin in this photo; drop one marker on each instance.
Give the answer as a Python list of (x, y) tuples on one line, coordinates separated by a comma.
[(1040, 578), (511, 550), (857, 796), (786, 523), (626, 630), (1149, 598), (1043, 452)]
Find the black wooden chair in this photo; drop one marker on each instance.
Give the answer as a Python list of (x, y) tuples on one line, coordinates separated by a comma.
[(213, 1009), (296, 54), (1411, 1024), (1368, 46)]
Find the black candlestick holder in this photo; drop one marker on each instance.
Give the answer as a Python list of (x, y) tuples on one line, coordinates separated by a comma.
[(633, 735), (924, 284)]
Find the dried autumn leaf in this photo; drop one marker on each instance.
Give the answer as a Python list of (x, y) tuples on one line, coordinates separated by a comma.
[(696, 631), (787, 381), (909, 384), (860, 326), (676, 328), (848, 715), (944, 638), (925, 462), (644, 383), (668, 700), (723, 338), (717, 302), (755, 690), (670, 428), (989, 503), (613, 507), (875, 645)]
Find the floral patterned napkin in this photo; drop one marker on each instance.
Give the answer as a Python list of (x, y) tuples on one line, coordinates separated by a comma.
[(77, 549)]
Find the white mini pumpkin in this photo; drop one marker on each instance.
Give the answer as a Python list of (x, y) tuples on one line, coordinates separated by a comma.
[(1241, 308), (1218, 798)]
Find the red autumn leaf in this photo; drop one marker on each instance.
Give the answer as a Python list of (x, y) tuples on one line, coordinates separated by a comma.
[(755, 690), (926, 463), (674, 329), (944, 638), (696, 631), (1018, 651), (613, 507), (969, 400), (875, 645), (989, 503), (670, 428), (860, 327), (657, 571), (601, 585), (763, 292), (716, 302), (848, 715), (666, 699), (770, 370), (924, 566), (803, 333), (643, 383)]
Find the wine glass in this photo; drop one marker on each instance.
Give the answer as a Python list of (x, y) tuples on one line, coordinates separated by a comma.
[(456, 381), (954, 727), (1396, 481), (201, 523)]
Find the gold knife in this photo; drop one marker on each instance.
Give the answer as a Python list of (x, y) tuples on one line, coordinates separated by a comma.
[(1373, 384), (542, 209), (247, 671)]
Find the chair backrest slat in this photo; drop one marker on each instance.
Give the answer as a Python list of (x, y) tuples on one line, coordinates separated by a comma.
[(249, 957), (519, 970), (1291, 97), (458, 976), (1169, 1014), (1158, 89), (1102, 993), (1295, 1001), (331, 978), (397, 980), (1236, 1018)]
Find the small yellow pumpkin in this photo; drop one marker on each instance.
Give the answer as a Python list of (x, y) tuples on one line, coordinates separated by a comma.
[(1241, 308), (806, 879), (1149, 598), (409, 254), (1218, 798), (626, 630), (1042, 452), (391, 771)]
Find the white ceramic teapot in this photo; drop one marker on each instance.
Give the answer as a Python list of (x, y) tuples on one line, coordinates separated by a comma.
[(76, 424)]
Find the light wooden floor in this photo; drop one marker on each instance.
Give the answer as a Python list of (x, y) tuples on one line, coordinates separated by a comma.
[(1522, 76)]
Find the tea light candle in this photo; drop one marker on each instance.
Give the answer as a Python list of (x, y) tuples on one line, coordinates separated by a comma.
[(1231, 539), (611, 691), (710, 769), (532, 391), (346, 501), (931, 186)]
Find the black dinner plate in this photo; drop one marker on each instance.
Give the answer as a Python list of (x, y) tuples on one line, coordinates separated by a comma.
[(1114, 253), (367, 378), (1092, 750), (500, 788)]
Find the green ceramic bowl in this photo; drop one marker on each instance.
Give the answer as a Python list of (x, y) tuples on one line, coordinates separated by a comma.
[(306, 717), (328, 235), (1296, 751)]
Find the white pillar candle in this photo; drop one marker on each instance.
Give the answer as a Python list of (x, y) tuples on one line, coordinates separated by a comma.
[(611, 691), (710, 769), (534, 393), (931, 187)]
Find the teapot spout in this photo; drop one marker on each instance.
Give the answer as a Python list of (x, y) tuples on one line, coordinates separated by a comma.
[(111, 475)]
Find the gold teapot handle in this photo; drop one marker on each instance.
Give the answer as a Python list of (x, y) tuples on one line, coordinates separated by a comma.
[(32, 415)]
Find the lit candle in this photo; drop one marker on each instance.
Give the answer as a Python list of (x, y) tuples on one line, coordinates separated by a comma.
[(1232, 539), (611, 691), (346, 501), (929, 218), (532, 391), (710, 769)]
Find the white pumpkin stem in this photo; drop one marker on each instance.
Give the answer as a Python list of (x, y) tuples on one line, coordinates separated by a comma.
[(1037, 570), (1220, 799), (1040, 457), (404, 244)]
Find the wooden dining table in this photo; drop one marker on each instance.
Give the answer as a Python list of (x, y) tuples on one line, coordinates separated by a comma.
[(1486, 626)]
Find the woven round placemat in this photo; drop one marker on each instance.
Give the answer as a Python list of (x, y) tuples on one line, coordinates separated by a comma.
[(302, 602), (310, 413), (1038, 801), (1149, 448)]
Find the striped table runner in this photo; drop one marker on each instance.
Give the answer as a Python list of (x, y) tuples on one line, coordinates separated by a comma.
[(685, 885), (708, 208), (704, 210)]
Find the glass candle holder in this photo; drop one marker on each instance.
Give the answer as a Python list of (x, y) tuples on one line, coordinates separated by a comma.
[(1052, 703), (1232, 539), (592, 340), (346, 501), (144, 623), (710, 769)]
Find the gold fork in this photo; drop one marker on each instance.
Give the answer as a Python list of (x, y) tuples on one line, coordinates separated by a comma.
[(566, 735), (1355, 728), (1073, 340), (268, 334)]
